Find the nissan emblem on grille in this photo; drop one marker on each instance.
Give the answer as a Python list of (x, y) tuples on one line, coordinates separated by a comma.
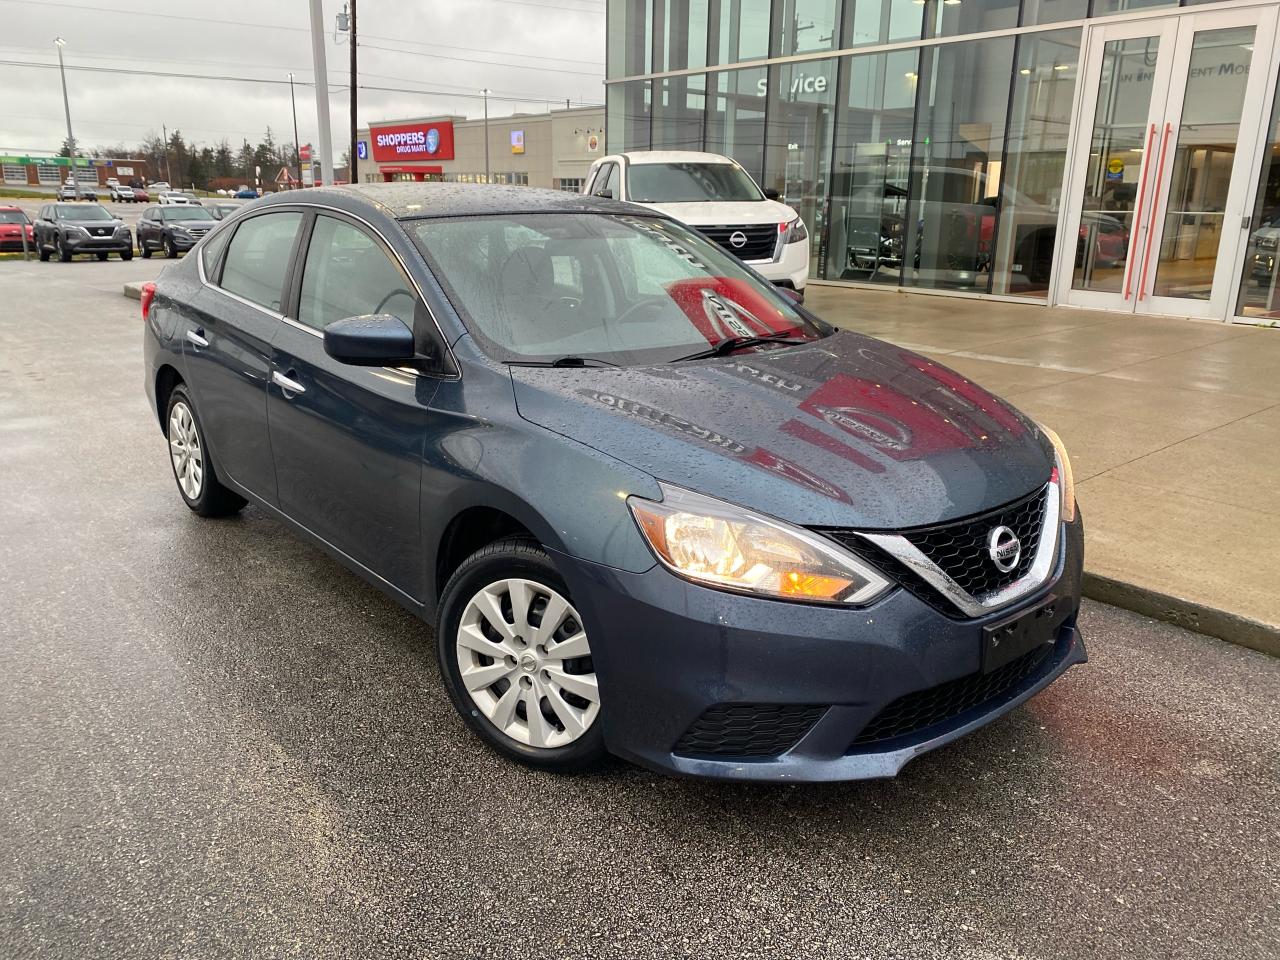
[(738, 239), (1004, 548)]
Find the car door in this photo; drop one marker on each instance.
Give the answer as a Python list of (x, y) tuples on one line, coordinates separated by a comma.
[(146, 227), (348, 440), (227, 345)]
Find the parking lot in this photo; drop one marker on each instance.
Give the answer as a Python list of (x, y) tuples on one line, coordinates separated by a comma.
[(217, 742)]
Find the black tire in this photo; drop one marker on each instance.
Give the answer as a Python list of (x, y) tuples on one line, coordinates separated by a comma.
[(511, 557), (43, 251), (211, 499), (144, 250), (63, 253), (126, 254), (170, 250), (102, 255)]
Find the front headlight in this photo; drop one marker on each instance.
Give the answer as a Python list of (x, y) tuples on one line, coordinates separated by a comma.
[(77, 231), (794, 231), (1066, 482), (731, 548)]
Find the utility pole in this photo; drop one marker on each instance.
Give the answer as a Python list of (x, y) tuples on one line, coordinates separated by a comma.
[(297, 147), (66, 105), (351, 157), (485, 92), (321, 70), (168, 171)]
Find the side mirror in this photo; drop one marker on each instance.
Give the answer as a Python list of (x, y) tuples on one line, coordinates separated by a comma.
[(771, 194), (376, 340), (606, 194)]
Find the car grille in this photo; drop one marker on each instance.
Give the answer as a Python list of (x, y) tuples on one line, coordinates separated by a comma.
[(101, 231), (759, 245), (919, 711), (748, 730)]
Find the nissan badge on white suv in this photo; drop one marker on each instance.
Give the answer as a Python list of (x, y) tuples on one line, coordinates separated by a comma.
[(719, 199)]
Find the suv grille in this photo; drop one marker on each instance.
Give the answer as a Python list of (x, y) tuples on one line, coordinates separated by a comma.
[(759, 730), (761, 239), (927, 708)]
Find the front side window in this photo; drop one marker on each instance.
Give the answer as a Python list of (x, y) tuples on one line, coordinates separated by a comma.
[(690, 183), (620, 289), (258, 257), (348, 274)]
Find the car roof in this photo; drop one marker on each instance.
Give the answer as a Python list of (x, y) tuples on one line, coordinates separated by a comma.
[(420, 200), (673, 156)]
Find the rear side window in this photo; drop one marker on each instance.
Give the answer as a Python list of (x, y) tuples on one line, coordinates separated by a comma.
[(348, 274), (211, 253), (258, 257)]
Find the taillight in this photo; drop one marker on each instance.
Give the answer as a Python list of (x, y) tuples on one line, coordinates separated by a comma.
[(148, 294)]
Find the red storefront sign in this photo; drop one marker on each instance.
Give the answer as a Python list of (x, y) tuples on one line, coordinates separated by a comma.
[(412, 141)]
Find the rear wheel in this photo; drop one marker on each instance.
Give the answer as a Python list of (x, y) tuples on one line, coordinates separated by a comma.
[(516, 659), (193, 467)]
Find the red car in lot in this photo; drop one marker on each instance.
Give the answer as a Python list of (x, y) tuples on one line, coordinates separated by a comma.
[(13, 221)]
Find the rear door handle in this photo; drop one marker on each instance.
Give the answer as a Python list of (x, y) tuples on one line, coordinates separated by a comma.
[(286, 384), (197, 337)]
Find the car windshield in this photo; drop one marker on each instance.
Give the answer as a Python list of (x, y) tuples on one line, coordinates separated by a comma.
[(13, 216), (69, 212), (621, 289), (690, 183), (186, 213)]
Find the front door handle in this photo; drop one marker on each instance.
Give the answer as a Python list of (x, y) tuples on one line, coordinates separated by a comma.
[(197, 337), (287, 384)]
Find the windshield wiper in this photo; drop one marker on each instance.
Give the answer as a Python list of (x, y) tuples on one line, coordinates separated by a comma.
[(564, 362), (730, 344)]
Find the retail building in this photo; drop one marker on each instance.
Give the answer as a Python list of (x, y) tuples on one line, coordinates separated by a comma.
[(1114, 154)]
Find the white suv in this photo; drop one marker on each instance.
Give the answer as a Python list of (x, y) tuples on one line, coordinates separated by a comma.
[(718, 198)]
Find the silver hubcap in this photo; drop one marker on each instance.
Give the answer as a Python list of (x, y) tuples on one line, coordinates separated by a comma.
[(525, 660), (184, 447)]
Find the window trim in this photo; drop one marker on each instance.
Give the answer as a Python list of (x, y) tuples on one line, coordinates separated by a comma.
[(217, 284)]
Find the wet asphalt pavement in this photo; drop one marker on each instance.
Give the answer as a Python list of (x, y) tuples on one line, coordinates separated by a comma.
[(215, 742)]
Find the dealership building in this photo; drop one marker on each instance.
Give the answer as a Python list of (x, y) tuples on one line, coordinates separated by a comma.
[(552, 150), (1113, 154)]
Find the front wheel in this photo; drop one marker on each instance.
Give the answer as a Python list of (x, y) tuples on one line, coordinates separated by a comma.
[(126, 254), (516, 658), (193, 467), (102, 255), (170, 250), (63, 253), (144, 250)]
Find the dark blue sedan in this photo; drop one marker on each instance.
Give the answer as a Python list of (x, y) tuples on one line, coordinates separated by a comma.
[(650, 504)]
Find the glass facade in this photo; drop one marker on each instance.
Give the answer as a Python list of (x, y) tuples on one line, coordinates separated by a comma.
[(941, 162)]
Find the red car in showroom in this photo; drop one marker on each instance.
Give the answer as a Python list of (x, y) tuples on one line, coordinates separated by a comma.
[(13, 221)]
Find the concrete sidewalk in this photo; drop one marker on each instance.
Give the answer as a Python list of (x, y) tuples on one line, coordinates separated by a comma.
[(1173, 428)]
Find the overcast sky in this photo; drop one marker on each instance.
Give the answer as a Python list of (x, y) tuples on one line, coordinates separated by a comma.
[(546, 49)]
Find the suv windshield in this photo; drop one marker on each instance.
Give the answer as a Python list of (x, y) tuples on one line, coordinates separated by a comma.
[(621, 289), (73, 212), (185, 213), (690, 183), (13, 216)]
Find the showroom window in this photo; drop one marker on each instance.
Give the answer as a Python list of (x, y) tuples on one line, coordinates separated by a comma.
[(679, 110), (1044, 87), (972, 16), (882, 21), (682, 38), (805, 26), (956, 159), (798, 140), (630, 37), (735, 120), (738, 30), (1053, 11), (872, 164), (628, 115)]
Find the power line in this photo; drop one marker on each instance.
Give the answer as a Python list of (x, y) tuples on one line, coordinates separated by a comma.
[(500, 53), (488, 63)]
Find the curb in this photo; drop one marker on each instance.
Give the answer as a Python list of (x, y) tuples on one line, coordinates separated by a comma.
[(1188, 614), (134, 290)]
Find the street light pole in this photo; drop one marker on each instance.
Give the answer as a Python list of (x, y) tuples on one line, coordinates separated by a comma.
[(66, 106), (351, 157), (485, 92), (297, 147), (321, 70)]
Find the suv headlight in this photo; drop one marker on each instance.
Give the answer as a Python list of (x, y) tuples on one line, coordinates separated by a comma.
[(75, 231), (1062, 467), (731, 548), (793, 232)]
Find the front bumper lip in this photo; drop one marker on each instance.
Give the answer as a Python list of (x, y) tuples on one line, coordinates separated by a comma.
[(666, 650), (97, 244)]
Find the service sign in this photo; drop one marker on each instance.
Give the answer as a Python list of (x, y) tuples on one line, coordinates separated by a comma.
[(413, 141)]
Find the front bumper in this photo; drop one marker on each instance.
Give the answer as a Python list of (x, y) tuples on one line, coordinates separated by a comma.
[(791, 269), (14, 244), (97, 244), (666, 651)]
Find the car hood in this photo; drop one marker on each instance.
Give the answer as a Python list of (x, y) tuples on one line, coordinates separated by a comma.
[(847, 431), (193, 222), (91, 224), (710, 214)]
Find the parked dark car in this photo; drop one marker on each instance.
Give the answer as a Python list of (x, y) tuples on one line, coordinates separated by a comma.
[(14, 222), (173, 229), (69, 228), (651, 505)]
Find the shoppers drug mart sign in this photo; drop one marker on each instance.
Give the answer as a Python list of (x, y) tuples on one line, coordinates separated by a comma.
[(413, 141)]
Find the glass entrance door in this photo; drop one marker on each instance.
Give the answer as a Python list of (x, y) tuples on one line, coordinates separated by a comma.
[(1159, 176)]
